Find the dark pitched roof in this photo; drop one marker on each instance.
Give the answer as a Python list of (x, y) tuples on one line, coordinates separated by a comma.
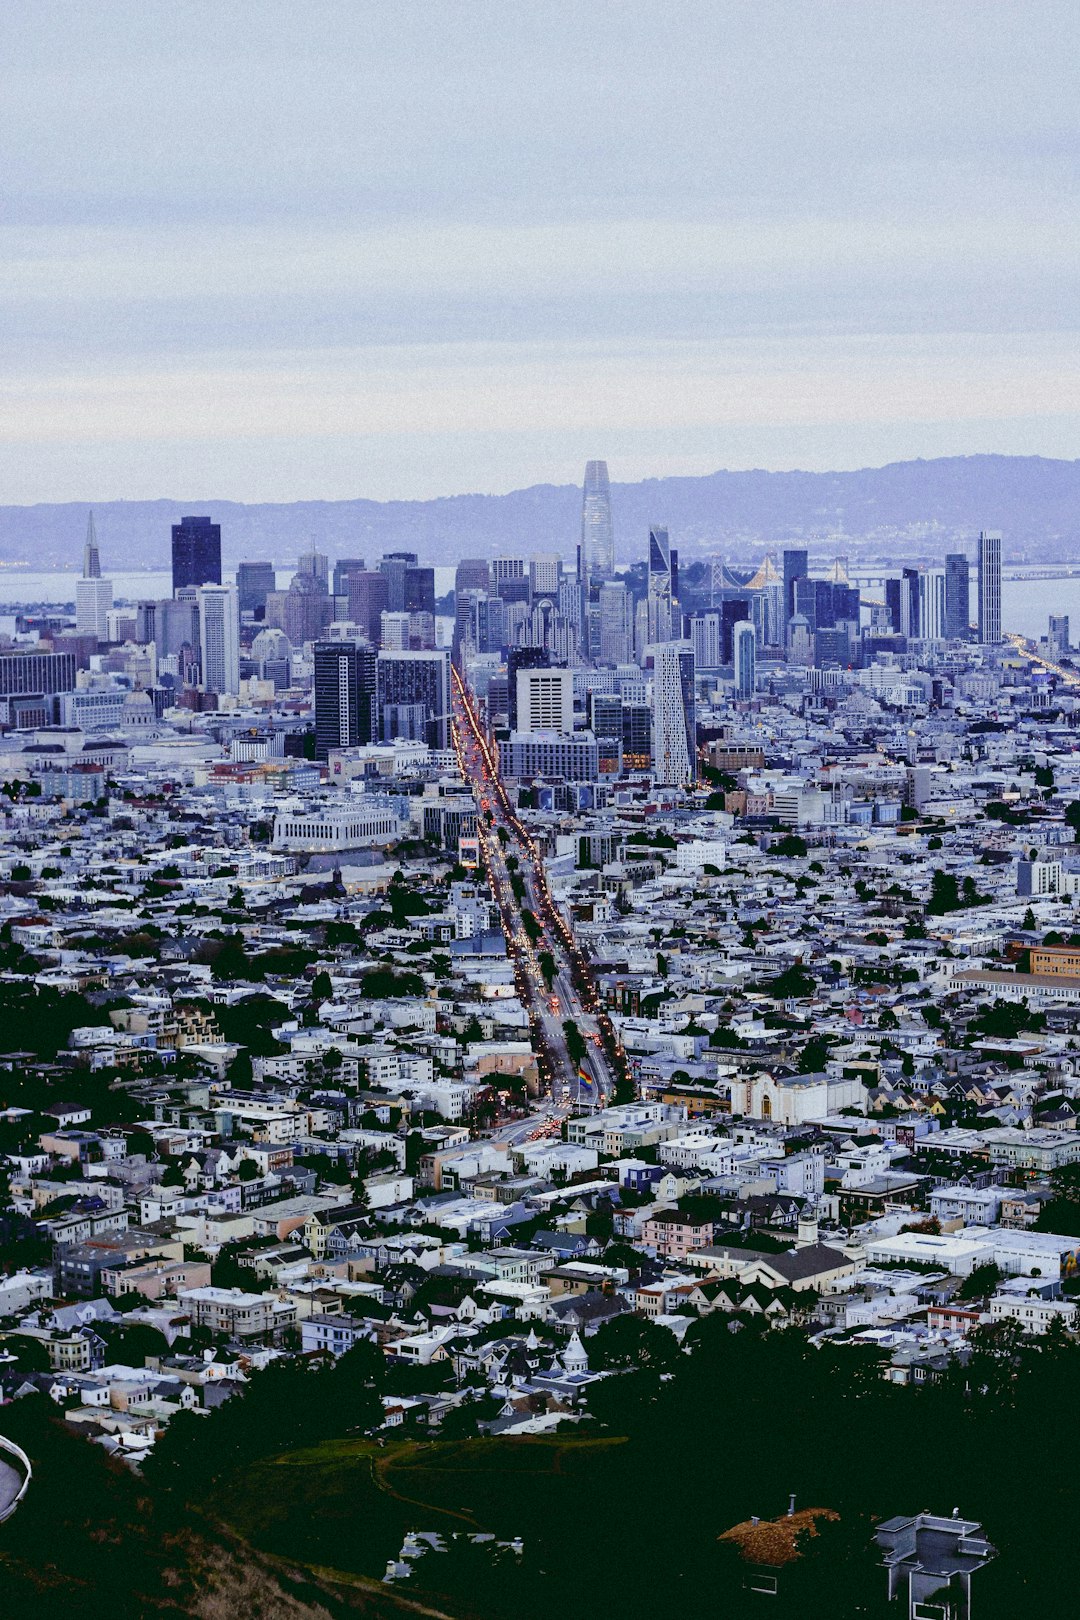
[(811, 1261)]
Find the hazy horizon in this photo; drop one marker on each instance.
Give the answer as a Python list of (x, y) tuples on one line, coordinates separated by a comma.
[(357, 251)]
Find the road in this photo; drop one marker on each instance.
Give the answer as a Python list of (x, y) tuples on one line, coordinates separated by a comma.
[(508, 853), (1068, 677)]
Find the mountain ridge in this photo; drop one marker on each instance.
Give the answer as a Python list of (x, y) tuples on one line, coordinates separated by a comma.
[(1033, 500)]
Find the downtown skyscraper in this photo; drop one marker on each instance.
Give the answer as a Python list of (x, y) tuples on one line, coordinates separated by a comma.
[(989, 587), (196, 553), (219, 637), (345, 694), (674, 715), (91, 568), (93, 595), (957, 596), (744, 659), (597, 532), (661, 593)]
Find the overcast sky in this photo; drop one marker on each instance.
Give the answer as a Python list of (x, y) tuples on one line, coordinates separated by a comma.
[(266, 250)]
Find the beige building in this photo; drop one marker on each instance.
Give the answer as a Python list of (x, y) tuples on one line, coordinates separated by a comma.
[(159, 1279), (241, 1315)]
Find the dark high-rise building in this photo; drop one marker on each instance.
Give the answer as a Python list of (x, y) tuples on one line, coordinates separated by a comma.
[(733, 610), (414, 685), (902, 598), (846, 604), (832, 649), (473, 574), (342, 569), (605, 714), (394, 566), (913, 603), (345, 695), (893, 593), (796, 566), (419, 590), (368, 601), (636, 736), (822, 603), (512, 585), (254, 583), (196, 552), (957, 596), (523, 658), (490, 623)]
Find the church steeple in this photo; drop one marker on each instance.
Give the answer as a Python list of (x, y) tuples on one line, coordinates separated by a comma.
[(91, 566)]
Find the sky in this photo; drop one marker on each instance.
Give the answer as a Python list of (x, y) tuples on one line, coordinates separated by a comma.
[(401, 249)]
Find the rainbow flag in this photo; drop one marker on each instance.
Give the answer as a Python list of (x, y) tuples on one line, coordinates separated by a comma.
[(584, 1080)]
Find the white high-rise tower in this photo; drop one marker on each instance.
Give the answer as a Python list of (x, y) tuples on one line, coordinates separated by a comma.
[(674, 715), (91, 567), (219, 635), (989, 587), (93, 595)]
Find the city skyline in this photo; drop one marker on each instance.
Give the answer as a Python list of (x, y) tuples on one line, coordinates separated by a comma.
[(504, 990)]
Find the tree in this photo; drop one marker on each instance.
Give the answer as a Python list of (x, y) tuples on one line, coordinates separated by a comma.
[(463, 1422), (575, 1041), (814, 1055), (231, 961), (980, 1281), (632, 1342), (240, 1070), (793, 984), (724, 1037), (132, 1343), (944, 894)]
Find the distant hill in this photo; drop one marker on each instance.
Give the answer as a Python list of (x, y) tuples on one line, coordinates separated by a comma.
[(907, 508)]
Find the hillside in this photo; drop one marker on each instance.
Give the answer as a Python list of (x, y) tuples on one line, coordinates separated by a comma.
[(906, 508)]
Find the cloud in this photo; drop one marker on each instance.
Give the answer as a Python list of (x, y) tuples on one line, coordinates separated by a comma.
[(517, 388), (310, 228)]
